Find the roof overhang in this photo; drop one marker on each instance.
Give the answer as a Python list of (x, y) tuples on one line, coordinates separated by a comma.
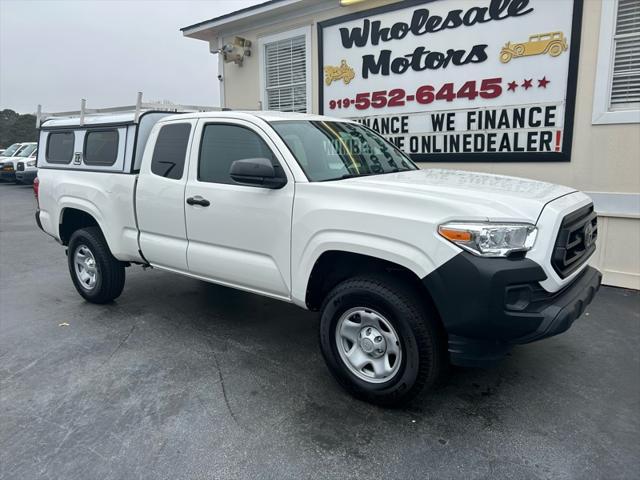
[(263, 14)]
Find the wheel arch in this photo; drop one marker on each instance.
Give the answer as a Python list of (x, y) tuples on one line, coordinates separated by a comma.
[(73, 218), (335, 266), (378, 249)]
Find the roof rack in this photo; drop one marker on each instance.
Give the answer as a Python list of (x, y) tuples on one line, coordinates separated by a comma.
[(138, 108)]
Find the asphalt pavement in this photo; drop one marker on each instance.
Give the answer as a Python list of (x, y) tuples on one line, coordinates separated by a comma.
[(180, 379)]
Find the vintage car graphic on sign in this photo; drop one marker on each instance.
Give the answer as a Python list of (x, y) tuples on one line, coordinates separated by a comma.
[(344, 72), (553, 43)]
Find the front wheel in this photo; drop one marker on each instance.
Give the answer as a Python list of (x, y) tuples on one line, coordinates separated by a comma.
[(505, 57), (555, 50), (97, 275), (379, 341)]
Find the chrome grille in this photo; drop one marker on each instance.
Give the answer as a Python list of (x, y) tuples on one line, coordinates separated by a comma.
[(576, 241)]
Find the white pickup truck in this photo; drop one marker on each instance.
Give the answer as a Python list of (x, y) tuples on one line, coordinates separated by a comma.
[(411, 269)]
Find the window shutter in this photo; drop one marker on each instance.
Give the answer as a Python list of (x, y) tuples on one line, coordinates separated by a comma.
[(286, 77), (625, 84)]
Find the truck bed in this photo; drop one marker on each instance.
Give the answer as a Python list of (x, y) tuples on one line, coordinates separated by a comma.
[(84, 190)]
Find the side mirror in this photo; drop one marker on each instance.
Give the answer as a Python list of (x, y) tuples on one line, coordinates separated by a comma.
[(258, 172)]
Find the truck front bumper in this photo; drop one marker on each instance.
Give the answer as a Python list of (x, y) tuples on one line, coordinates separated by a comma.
[(26, 176), (487, 305), (7, 175)]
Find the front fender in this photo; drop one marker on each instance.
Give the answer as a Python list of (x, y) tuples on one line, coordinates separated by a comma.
[(384, 248)]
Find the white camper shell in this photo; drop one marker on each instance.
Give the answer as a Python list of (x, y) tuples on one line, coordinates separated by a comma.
[(110, 143), (102, 140)]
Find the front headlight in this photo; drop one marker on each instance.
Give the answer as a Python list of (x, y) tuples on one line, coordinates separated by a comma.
[(32, 163), (490, 239)]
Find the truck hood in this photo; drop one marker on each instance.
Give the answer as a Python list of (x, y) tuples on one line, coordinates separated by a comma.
[(494, 197), (13, 160)]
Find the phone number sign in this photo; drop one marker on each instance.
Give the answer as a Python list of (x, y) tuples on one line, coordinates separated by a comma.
[(457, 80)]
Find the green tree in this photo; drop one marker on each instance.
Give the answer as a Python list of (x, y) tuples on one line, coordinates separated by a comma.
[(15, 127)]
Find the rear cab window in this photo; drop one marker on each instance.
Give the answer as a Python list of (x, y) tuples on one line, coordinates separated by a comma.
[(170, 150)]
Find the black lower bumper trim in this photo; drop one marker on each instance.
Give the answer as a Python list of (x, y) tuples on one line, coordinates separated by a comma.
[(23, 176), (567, 307), (487, 305)]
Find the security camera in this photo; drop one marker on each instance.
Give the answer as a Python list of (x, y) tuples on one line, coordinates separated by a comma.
[(220, 77)]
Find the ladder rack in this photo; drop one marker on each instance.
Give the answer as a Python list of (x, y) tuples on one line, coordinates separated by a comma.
[(138, 108)]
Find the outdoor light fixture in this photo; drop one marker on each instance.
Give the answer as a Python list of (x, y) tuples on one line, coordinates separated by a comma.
[(235, 51)]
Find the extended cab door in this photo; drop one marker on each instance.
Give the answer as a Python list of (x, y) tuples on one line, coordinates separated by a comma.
[(238, 235), (160, 195)]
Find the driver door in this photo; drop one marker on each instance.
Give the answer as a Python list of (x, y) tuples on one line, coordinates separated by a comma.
[(238, 235)]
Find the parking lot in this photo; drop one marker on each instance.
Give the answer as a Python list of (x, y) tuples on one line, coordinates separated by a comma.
[(182, 379)]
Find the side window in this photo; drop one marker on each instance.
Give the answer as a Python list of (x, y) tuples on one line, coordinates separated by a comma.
[(101, 147), (224, 144), (60, 147), (170, 150)]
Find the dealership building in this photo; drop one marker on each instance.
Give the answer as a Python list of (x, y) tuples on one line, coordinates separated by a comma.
[(542, 89)]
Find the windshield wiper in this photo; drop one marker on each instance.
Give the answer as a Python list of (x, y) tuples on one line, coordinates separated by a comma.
[(355, 175), (348, 175), (396, 170)]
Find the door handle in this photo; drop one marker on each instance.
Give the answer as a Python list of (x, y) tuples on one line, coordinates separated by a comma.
[(198, 200)]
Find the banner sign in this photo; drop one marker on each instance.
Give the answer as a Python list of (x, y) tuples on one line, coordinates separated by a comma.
[(457, 80)]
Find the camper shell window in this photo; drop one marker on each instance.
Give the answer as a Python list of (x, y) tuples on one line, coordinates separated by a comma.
[(60, 147), (101, 147)]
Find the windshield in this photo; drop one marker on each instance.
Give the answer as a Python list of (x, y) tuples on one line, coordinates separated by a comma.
[(337, 150), (11, 150), (26, 151)]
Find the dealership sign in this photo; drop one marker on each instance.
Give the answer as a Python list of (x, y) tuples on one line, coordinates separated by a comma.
[(457, 80)]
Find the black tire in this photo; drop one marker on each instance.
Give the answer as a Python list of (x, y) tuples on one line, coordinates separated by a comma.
[(423, 356), (110, 272)]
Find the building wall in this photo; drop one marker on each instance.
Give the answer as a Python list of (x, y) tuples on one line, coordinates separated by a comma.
[(605, 158)]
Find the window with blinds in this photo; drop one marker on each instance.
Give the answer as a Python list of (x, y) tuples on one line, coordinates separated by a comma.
[(625, 79), (286, 75)]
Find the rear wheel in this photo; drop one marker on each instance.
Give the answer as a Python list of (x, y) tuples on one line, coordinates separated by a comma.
[(379, 341), (95, 273)]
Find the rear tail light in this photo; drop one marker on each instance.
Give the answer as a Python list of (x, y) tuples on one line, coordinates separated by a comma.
[(36, 189)]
